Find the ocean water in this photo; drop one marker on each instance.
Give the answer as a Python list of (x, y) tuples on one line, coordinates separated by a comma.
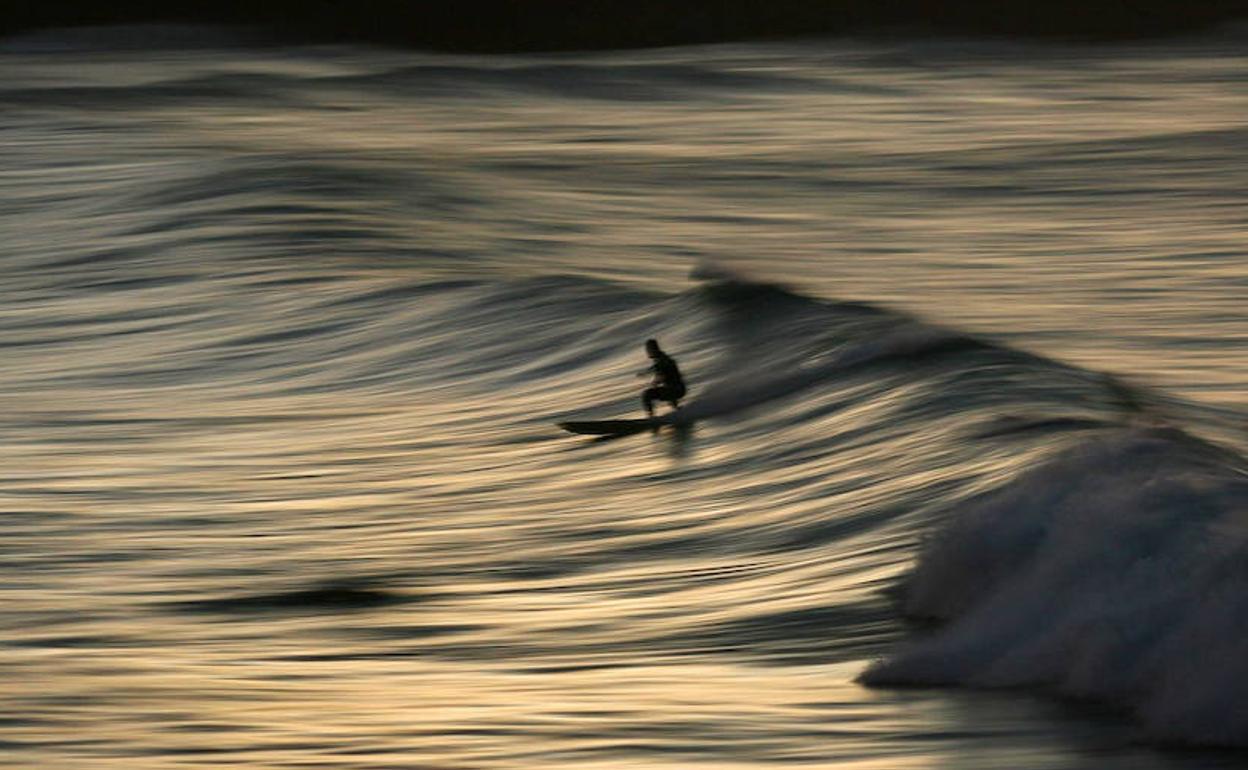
[(286, 333)]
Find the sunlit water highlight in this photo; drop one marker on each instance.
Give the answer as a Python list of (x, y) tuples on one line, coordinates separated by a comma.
[(286, 333)]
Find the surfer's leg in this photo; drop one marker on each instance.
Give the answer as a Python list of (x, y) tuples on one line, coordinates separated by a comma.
[(673, 396), (647, 400)]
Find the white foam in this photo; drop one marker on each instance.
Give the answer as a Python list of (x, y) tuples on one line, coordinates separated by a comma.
[(1117, 571)]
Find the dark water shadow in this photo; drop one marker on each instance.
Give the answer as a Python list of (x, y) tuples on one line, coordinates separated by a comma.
[(679, 441), (335, 595)]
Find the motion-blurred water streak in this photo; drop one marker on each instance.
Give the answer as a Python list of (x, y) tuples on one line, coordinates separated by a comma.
[(286, 333)]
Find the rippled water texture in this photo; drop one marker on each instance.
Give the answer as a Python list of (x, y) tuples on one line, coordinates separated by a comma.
[(286, 333)]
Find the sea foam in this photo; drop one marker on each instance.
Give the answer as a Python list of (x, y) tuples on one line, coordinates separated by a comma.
[(1117, 571)]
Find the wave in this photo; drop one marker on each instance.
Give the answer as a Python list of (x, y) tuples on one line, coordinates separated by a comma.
[(1115, 571), (1112, 568)]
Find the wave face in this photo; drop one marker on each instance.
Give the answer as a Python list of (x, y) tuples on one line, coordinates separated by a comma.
[(287, 333)]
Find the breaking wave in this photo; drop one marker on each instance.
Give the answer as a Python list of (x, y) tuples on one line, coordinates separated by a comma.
[(1116, 571)]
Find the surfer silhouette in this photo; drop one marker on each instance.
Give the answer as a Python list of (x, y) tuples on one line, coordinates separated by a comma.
[(667, 385)]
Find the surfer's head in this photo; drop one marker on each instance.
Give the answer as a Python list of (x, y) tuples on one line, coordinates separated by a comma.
[(652, 348)]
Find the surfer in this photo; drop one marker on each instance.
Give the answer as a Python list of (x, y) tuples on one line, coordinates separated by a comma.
[(667, 386)]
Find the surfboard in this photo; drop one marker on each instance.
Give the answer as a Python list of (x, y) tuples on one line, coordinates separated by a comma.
[(680, 419), (611, 427)]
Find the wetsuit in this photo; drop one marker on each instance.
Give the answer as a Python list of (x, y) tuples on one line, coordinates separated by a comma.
[(668, 385)]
